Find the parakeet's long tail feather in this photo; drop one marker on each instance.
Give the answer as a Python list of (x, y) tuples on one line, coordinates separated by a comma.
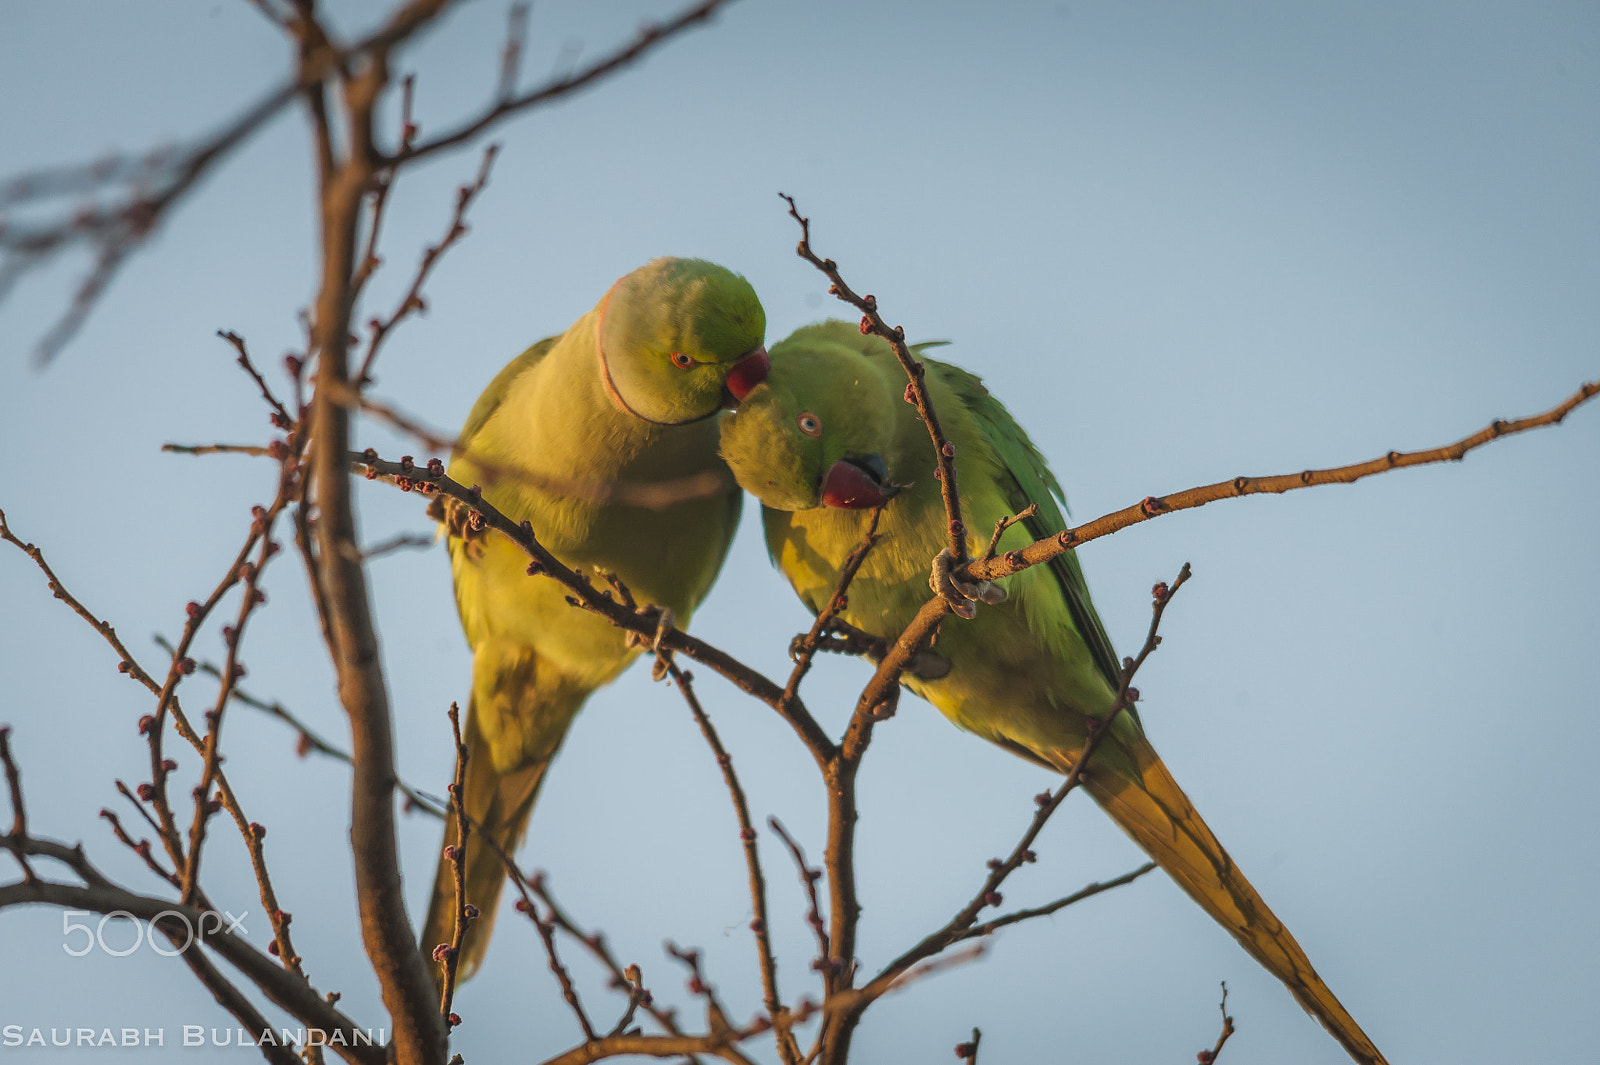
[(501, 803), (1160, 818)]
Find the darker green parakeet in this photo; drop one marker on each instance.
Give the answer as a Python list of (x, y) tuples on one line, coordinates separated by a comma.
[(585, 435), (829, 436)]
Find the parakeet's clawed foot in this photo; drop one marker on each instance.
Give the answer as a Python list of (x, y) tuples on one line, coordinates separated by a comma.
[(457, 519), (885, 710), (842, 638), (665, 622), (961, 595), (928, 665)]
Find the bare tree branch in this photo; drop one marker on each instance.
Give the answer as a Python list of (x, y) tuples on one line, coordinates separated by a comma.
[(506, 105), (152, 185), (1155, 506)]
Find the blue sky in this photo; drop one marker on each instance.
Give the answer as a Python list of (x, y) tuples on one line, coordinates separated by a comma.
[(1181, 242)]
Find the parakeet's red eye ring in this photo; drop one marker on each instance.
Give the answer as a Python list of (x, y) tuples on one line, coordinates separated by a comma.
[(683, 361), (809, 424)]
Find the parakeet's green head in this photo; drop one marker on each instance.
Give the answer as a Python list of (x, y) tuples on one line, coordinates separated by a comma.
[(816, 432), (679, 339)]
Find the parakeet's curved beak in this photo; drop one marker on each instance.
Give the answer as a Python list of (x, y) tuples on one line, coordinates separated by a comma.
[(858, 482), (745, 375)]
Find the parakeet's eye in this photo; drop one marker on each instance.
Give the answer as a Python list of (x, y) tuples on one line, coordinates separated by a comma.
[(683, 361), (809, 424)]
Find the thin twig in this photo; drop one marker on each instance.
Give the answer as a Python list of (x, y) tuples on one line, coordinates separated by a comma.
[(232, 670), (370, 260), (133, 801), (456, 855), (19, 812), (282, 421), (637, 996), (399, 542), (216, 449), (808, 880), (1207, 1057), (697, 985), (805, 649), (787, 1048), (142, 848), (648, 37), (978, 931), (569, 991), (1002, 525), (412, 302)]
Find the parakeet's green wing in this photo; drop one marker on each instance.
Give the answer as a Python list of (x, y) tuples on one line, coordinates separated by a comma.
[(1031, 481), (495, 393)]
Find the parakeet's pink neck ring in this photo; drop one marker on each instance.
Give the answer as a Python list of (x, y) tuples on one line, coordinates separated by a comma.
[(605, 370)]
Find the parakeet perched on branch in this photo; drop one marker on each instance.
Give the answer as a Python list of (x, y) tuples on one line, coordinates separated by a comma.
[(605, 439), (827, 438)]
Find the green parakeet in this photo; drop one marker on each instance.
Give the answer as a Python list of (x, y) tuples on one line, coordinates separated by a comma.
[(571, 436), (829, 436)]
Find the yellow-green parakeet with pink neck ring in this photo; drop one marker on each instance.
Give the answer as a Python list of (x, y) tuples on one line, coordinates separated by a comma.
[(573, 436)]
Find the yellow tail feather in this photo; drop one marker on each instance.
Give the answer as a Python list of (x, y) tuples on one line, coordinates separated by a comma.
[(1161, 819)]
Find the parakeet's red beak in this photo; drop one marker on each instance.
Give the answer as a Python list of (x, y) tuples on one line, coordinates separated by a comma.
[(745, 375), (858, 483)]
